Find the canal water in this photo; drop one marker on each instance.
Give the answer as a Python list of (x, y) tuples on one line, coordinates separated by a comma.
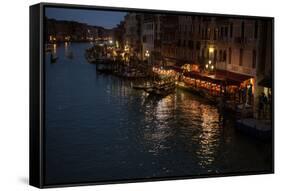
[(98, 128)]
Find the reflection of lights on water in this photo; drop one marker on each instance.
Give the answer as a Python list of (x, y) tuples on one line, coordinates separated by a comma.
[(182, 117), (207, 139), (163, 106), (66, 45), (157, 130), (55, 48), (206, 118)]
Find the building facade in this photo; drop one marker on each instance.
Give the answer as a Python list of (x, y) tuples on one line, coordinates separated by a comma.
[(132, 36)]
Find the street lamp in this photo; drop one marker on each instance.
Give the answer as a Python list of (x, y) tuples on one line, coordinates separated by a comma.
[(209, 66), (147, 54)]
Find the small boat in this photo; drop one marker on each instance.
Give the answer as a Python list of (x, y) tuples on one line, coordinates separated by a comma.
[(142, 86), (162, 89)]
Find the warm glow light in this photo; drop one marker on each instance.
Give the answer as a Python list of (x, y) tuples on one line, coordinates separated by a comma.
[(126, 48), (212, 67), (252, 81), (207, 65), (210, 62), (211, 50), (55, 48), (147, 53)]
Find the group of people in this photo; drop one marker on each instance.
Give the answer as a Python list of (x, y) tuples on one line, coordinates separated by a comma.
[(265, 105), (246, 97), (246, 94)]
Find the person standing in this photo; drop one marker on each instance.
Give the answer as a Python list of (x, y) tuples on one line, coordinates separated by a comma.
[(262, 103), (270, 103), (250, 94)]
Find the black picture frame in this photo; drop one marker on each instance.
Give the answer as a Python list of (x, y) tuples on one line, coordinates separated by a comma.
[(37, 93)]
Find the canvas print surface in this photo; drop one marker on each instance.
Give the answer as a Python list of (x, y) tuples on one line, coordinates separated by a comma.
[(132, 95)]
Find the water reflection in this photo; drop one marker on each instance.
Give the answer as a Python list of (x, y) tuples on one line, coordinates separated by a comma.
[(54, 50), (66, 48), (107, 130), (204, 118), (158, 113), (181, 115)]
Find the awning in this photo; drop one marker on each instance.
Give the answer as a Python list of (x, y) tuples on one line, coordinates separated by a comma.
[(205, 77), (232, 78), (220, 77), (266, 82)]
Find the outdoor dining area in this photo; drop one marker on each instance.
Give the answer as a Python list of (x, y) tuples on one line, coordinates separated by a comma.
[(237, 88)]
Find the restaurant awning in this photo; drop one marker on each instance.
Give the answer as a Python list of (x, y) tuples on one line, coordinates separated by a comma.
[(232, 76), (204, 77), (220, 77)]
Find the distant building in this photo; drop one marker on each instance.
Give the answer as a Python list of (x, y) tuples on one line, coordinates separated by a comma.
[(151, 37), (132, 36), (169, 27), (118, 35), (147, 35), (60, 31), (188, 40)]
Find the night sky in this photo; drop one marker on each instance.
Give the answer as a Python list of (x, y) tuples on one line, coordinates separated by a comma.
[(106, 19)]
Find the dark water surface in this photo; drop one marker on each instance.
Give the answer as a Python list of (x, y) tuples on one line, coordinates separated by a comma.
[(99, 128)]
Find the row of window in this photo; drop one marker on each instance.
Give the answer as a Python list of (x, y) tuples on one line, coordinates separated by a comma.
[(223, 31), (148, 38), (217, 55), (189, 43), (222, 56), (149, 26)]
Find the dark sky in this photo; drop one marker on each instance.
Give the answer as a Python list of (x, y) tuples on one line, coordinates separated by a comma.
[(106, 19)]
